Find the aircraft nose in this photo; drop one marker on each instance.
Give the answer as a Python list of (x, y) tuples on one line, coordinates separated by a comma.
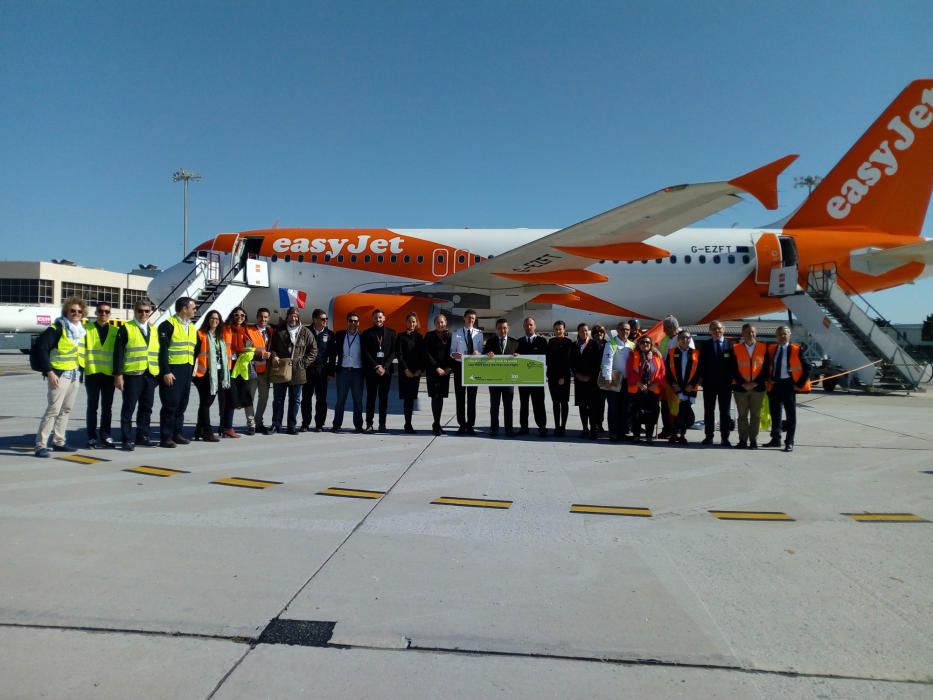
[(166, 286)]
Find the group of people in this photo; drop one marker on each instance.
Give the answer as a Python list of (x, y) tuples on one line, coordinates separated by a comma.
[(625, 378)]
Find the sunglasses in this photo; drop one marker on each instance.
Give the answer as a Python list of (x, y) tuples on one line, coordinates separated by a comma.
[(74, 311), (144, 311)]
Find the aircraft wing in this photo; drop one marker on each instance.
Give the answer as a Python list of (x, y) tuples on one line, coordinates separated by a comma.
[(618, 234), (877, 262)]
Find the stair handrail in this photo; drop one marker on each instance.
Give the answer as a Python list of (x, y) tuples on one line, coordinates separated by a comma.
[(220, 285), (199, 264), (905, 344)]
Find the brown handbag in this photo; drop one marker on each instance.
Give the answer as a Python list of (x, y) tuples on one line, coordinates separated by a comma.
[(280, 371)]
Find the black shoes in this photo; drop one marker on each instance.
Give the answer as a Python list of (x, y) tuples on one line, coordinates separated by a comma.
[(772, 443), (167, 443), (128, 446), (789, 447), (408, 429), (708, 440), (743, 445), (752, 445), (180, 439)]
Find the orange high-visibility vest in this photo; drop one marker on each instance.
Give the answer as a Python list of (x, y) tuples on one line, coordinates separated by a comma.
[(673, 365), (201, 362), (634, 372), (794, 366), (749, 365), (255, 336)]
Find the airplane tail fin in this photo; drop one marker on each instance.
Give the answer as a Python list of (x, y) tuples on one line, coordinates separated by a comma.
[(884, 182)]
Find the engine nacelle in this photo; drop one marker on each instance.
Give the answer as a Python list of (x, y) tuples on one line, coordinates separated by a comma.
[(395, 306)]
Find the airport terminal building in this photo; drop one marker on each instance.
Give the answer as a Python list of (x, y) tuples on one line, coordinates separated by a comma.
[(48, 283)]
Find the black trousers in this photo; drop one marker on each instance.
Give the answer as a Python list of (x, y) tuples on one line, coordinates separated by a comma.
[(174, 401), (138, 389), (534, 394), (506, 395), (717, 395), (783, 396), (205, 401), (314, 396), (466, 399), (647, 406), (377, 386), (99, 392), (560, 401)]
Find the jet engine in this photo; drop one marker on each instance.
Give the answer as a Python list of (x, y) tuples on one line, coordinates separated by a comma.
[(395, 306)]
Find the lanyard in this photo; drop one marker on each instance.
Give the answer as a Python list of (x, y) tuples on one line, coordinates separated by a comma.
[(349, 340)]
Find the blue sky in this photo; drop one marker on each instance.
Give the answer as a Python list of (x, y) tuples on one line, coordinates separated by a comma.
[(421, 114)]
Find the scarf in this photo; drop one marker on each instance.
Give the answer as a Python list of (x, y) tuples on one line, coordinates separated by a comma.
[(75, 331), (647, 368), (293, 333), (212, 369)]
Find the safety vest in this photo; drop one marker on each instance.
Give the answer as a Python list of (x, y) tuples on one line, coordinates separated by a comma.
[(66, 355), (794, 366), (99, 358), (749, 365), (181, 346), (241, 366), (673, 365), (255, 336), (635, 373), (202, 361), (138, 356)]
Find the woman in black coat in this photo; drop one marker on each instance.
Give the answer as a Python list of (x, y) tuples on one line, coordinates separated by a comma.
[(437, 367), (587, 358), (560, 350), (410, 356)]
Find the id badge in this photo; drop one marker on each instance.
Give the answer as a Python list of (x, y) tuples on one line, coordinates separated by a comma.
[(380, 355)]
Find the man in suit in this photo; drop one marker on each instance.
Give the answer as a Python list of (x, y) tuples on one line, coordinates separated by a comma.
[(467, 341), (346, 364), (531, 344), (378, 353), (790, 374), (501, 344), (716, 379), (314, 397)]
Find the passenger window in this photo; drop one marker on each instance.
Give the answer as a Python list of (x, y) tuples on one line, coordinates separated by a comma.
[(658, 261), (380, 258), (420, 259), (288, 258), (687, 260), (731, 259), (326, 257), (746, 259), (367, 258), (440, 258), (406, 259), (393, 259), (340, 258), (352, 258), (301, 258), (274, 257), (461, 259), (673, 260), (717, 259), (314, 258), (702, 259)]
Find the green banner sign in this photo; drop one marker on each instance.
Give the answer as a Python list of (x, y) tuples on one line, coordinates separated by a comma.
[(504, 370)]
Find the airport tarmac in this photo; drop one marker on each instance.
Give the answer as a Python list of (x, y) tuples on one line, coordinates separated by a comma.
[(333, 573)]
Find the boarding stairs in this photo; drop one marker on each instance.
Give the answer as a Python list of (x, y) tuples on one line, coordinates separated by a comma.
[(858, 340), (214, 288)]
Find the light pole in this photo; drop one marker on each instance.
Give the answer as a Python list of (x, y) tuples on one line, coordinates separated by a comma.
[(186, 176)]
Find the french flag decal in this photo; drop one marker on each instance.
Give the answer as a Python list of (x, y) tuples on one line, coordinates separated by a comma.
[(292, 297)]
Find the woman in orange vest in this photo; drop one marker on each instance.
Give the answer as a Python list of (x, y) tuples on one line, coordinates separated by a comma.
[(790, 375), (682, 363), (236, 333), (645, 375), (211, 372)]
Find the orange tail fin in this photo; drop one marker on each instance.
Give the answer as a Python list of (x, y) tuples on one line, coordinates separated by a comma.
[(883, 183)]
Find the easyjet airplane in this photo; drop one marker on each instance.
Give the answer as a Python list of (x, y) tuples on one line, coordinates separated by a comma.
[(637, 260)]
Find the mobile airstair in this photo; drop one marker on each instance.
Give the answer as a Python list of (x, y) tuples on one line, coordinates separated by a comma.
[(217, 282), (856, 339)]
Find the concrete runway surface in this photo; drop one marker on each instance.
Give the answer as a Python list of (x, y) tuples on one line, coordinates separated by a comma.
[(127, 584)]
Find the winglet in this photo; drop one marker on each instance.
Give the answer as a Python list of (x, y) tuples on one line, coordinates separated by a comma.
[(762, 183)]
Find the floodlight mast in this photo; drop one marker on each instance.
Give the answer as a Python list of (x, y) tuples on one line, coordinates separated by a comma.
[(185, 176)]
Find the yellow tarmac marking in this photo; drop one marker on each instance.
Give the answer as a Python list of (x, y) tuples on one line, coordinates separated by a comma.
[(749, 515), (23, 448), (471, 502), (611, 510), (246, 483), (156, 471), (351, 493), (82, 459), (886, 517)]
